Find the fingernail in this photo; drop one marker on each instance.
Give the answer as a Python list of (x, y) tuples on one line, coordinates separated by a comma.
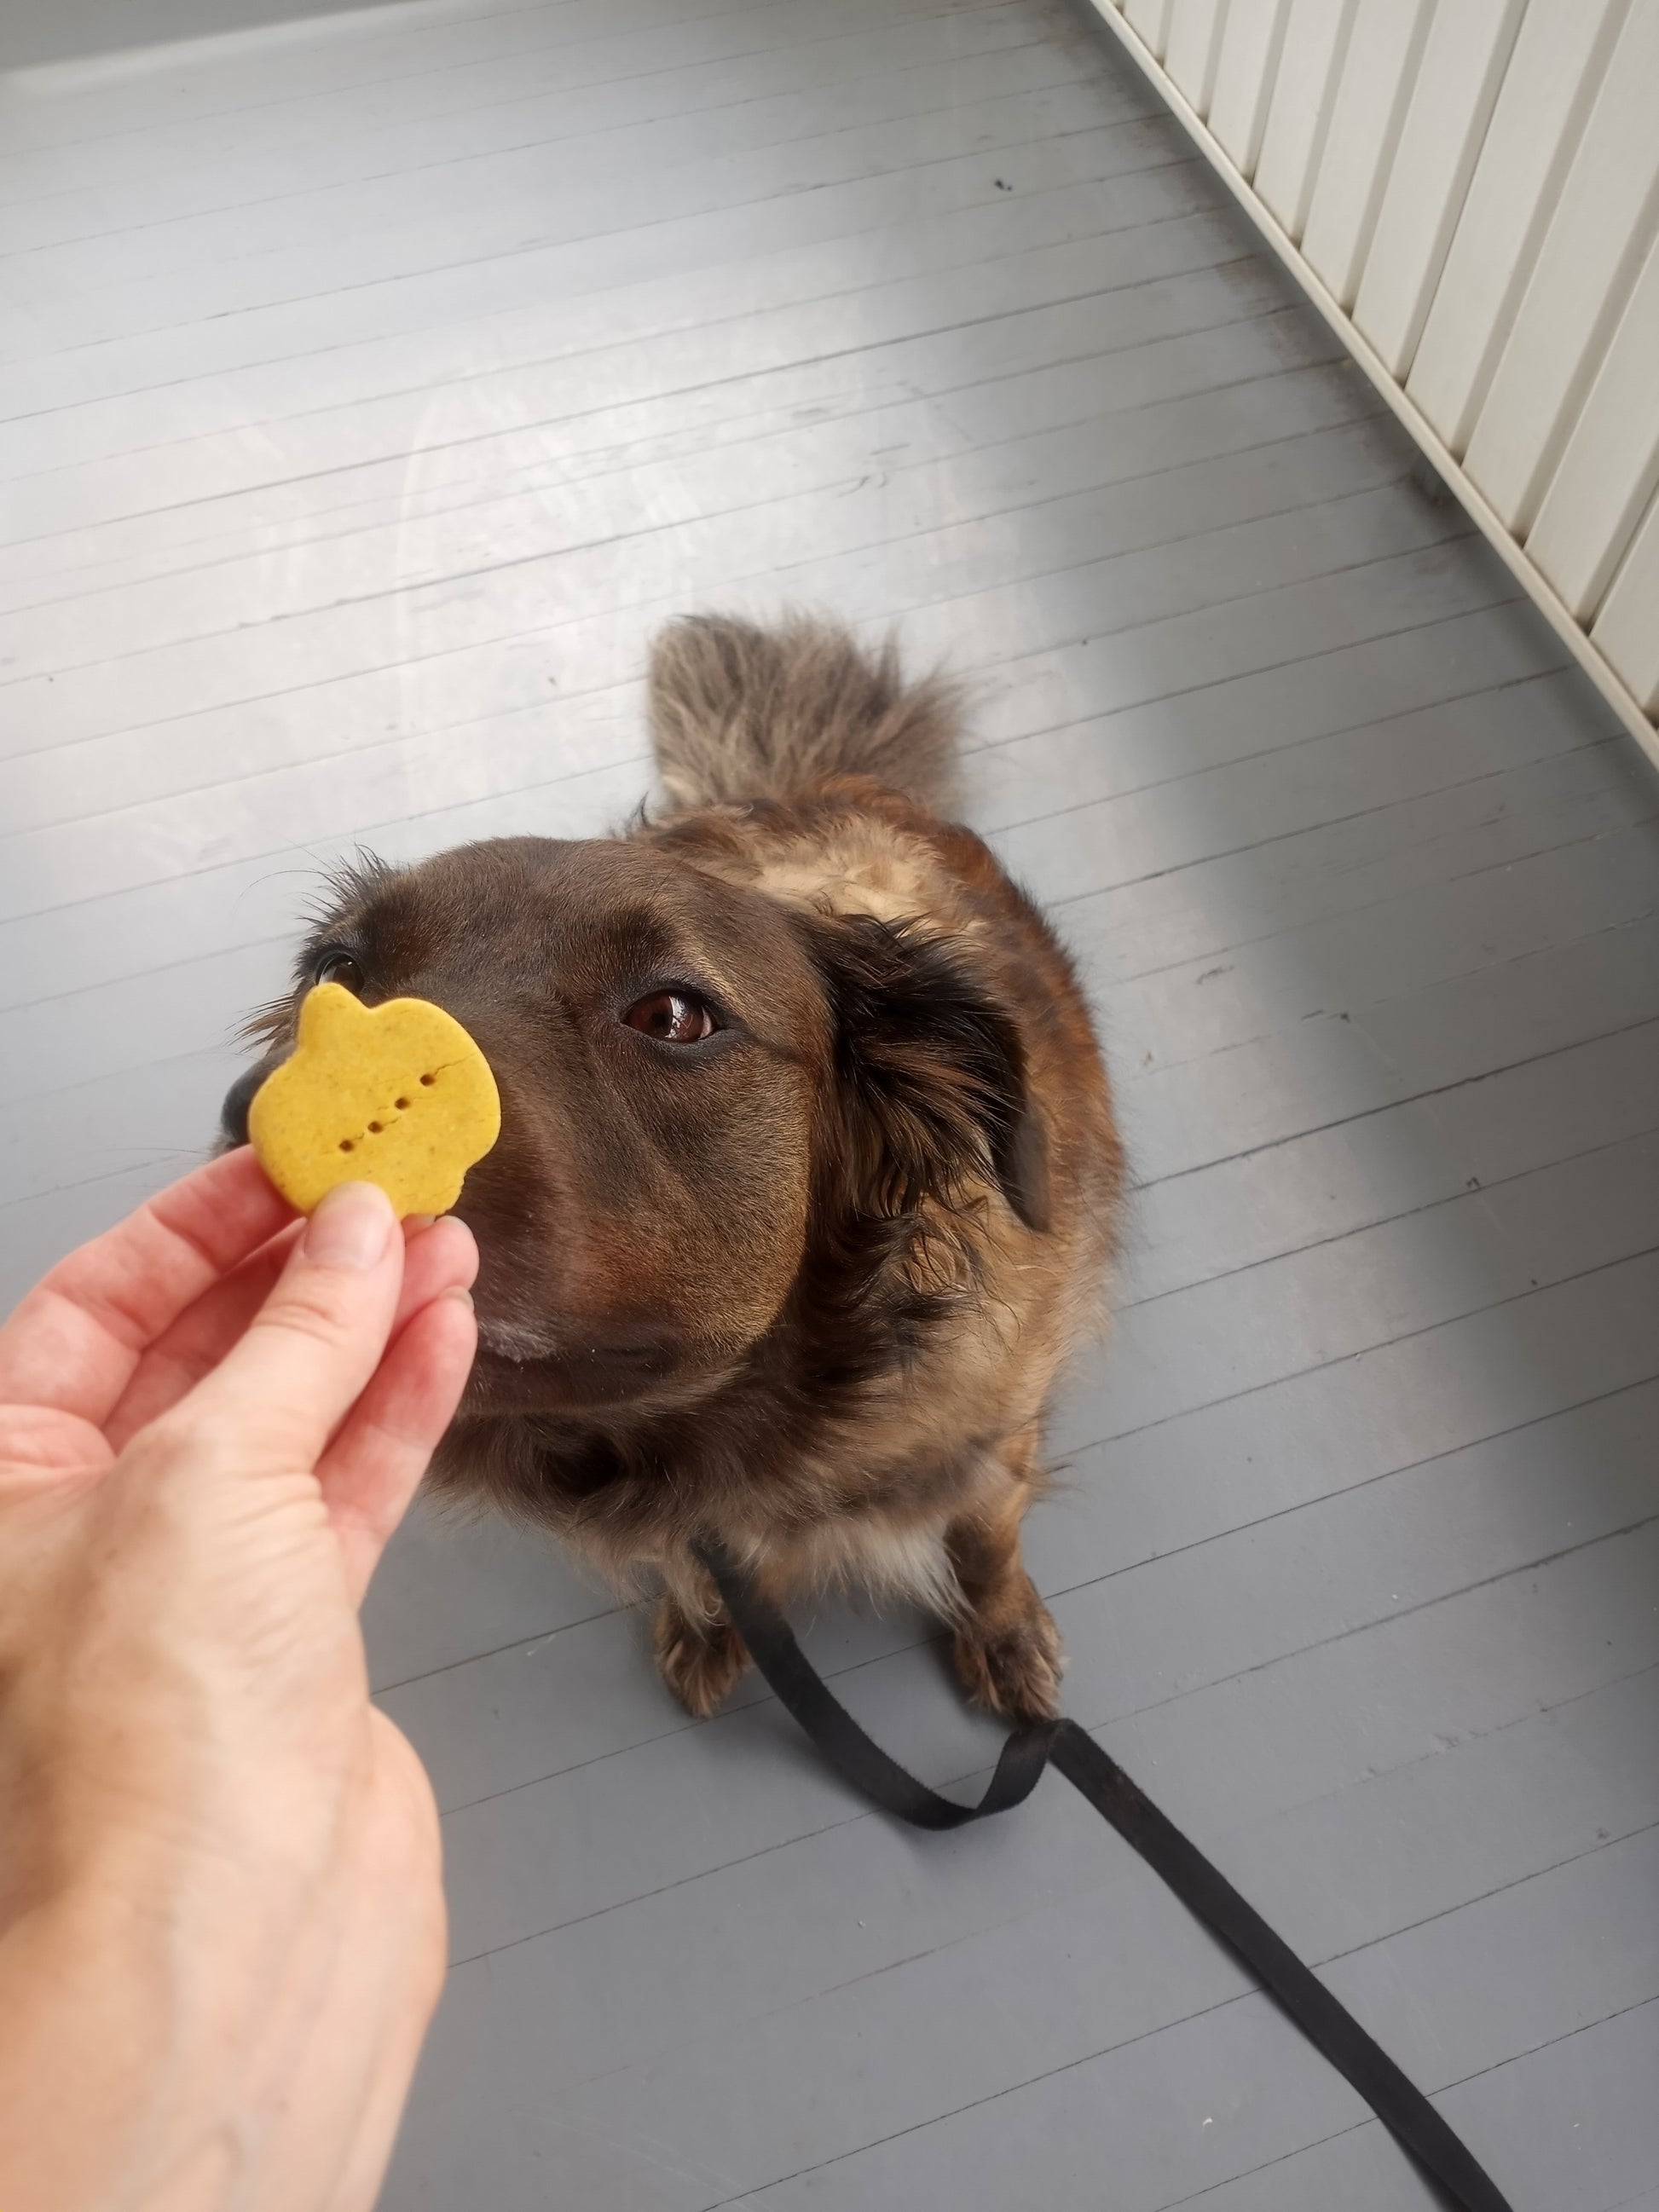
[(414, 1222), (351, 1228), (463, 1297)]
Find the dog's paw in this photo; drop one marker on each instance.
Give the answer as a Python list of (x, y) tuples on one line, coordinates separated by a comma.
[(1015, 1671), (698, 1661)]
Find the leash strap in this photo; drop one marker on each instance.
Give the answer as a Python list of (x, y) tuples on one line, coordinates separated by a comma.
[(1329, 2026)]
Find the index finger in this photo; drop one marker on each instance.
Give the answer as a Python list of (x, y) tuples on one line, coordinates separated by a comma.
[(75, 1341)]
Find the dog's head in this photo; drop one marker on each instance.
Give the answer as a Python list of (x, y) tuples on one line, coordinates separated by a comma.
[(704, 1092)]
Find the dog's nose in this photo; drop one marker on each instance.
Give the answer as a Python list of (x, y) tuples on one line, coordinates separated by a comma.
[(232, 1115)]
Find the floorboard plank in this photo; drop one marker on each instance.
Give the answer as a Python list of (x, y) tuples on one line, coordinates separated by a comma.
[(760, 309), (283, 329), (834, 76), (1017, 464)]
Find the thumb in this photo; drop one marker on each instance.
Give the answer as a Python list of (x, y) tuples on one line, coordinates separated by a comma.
[(308, 1354)]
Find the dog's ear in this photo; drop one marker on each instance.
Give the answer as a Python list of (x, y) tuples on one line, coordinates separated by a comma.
[(930, 1069)]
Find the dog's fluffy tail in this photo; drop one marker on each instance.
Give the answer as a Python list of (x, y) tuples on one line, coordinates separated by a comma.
[(739, 712)]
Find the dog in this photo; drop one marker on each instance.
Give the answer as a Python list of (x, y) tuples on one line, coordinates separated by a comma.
[(807, 1180)]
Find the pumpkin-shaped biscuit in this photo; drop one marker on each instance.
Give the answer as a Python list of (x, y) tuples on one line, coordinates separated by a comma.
[(396, 1095)]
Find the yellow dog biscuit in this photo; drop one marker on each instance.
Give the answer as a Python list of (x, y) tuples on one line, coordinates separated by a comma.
[(398, 1095)]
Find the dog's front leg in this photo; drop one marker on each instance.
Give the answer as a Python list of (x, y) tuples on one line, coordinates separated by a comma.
[(700, 1655), (1007, 1648)]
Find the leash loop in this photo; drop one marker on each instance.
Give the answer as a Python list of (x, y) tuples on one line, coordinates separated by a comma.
[(1202, 1888)]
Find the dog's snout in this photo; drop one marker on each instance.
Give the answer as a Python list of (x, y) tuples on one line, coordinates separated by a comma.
[(232, 1115)]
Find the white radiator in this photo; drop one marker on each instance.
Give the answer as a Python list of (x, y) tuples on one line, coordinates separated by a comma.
[(1468, 189)]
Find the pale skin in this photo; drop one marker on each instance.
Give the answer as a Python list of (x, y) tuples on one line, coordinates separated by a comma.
[(222, 1923)]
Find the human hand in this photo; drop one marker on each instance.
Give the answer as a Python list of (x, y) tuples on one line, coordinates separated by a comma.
[(222, 1927)]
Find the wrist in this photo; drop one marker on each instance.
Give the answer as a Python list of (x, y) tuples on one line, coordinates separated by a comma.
[(129, 2008), (106, 2063)]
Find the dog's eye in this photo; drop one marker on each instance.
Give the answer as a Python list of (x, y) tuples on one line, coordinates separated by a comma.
[(337, 968), (673, 1016)]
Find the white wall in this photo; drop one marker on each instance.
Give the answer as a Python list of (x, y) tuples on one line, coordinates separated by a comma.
[(1469, 192)]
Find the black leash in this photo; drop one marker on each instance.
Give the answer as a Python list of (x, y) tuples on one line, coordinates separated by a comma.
[(1329, 2026)]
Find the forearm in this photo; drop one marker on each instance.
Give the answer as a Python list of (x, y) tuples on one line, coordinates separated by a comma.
[(223, 2031)]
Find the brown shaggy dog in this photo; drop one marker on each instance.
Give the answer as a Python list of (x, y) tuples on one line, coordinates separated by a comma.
[(807, 1171)]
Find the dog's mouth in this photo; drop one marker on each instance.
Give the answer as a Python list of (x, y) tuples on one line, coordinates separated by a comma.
[(529, 1367)]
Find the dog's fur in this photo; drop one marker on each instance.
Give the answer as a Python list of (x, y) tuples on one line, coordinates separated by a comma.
[(805, 1285)]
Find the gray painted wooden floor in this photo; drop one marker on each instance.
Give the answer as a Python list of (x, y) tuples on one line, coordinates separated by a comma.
[(368, 395)]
